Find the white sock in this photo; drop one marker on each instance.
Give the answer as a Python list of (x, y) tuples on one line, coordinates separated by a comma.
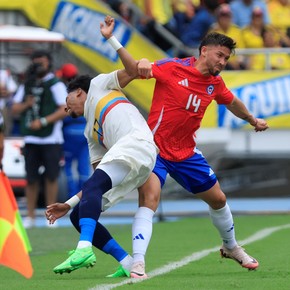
[(84, 244), (127, 263), (223, 220), (141, 233)]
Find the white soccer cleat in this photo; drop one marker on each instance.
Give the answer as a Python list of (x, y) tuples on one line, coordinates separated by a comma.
[(138, 270), (240, 256)]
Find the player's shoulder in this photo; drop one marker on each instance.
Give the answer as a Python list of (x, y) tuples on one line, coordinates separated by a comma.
[(100, 79), (105, 75), (217, 79), (174, 61)]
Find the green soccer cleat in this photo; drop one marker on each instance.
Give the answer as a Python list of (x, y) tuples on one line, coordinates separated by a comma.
[(65, 267), (121, 272), (78, 258)]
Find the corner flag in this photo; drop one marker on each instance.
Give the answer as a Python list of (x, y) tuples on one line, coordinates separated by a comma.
[(14, 242)]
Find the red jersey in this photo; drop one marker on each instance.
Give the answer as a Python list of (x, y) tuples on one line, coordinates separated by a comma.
[(180, 99)]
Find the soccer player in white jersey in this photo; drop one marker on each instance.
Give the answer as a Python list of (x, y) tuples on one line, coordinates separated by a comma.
[(122, 152)]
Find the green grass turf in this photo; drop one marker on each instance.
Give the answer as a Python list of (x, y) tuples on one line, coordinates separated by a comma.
[(171, 241)]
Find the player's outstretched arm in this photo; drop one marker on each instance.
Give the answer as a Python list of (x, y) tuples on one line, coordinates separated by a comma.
[(130, 64), (238, 108), (57, 210)]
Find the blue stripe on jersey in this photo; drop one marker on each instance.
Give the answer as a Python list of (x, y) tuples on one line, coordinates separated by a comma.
[(107, 106), (182, 61)]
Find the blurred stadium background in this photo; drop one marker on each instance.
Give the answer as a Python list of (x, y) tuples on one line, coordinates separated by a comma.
[(252, 168)]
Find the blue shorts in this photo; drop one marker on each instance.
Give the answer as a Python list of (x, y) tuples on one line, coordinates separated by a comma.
[(194, 173)]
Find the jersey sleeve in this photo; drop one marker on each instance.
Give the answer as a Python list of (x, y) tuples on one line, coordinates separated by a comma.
[(107, 81), (224, 96), (162, 69)]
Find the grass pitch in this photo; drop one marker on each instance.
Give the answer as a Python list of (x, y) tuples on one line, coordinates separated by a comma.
[(171, 243)]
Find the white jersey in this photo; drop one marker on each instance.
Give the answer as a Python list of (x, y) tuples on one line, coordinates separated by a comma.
[(116, 131)]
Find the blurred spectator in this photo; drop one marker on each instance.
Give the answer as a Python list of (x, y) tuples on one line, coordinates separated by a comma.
[(225, 26), (156, 12), (7, 89), (200, 24), (279, 11), (75, 145), (183, 17), (67, 72), (182, 5), (253, 36), (252, 33), (275, 60), (40, 102), (242, 11), (123, 9)]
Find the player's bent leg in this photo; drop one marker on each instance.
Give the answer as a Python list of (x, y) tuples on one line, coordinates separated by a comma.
[(220, 214), (214, 197), (149, 195), (239, 255), (149, 192), (106, 243), (222, 219)]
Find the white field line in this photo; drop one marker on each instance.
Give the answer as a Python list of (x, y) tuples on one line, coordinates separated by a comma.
[(193, 257)]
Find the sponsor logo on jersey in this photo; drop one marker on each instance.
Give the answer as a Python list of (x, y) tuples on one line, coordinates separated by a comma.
[(184, 83), (210, 89)]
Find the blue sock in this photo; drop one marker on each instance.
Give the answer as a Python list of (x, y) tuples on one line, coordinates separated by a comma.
[(87, 226), (115, 250), (92, 192)]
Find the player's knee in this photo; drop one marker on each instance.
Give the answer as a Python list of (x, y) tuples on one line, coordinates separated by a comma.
[(219, 202), (149, 199)]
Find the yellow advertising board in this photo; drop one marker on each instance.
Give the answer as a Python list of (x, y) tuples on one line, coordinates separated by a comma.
[(79, 21), (265, 93)]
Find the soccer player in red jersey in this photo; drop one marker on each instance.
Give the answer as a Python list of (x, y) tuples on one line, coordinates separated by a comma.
[(184, 89)]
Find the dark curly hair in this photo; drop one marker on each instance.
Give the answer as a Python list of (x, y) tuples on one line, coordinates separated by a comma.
[(218, 39), (80, 82)]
